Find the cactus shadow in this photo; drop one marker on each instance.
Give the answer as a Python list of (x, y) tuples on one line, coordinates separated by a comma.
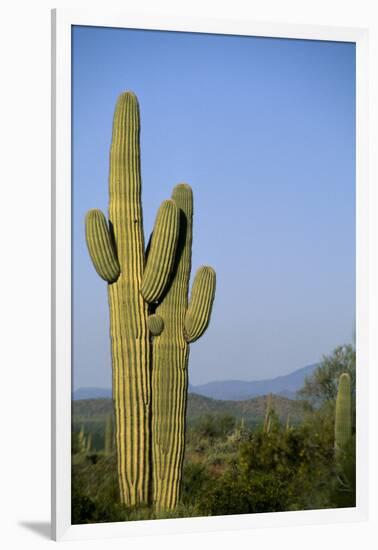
[(112, 237), (183, 228)]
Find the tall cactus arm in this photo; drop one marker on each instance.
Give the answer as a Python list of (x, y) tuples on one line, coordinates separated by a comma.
[(198, 314), (125, 208), (161, 253), (100, 246)]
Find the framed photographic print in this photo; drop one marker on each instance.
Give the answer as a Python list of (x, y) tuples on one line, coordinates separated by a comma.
[(210, 311)]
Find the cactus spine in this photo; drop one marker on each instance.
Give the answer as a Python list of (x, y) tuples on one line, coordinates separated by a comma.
[(183, 323), (343, 416), (151, 323)]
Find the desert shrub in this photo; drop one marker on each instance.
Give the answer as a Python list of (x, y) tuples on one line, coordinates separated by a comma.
[(322, 385), (212, 427), (234, 494), (343, 489), (95, 493), (82, 507), (196, 480), (275, 471)]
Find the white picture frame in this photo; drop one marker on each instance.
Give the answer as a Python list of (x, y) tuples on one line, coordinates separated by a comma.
[(62, 21)]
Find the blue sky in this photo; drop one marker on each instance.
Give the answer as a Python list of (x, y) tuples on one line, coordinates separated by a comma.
[(264, 132)]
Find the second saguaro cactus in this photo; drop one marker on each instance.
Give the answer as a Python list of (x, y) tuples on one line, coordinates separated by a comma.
[(343, 414), (268, 414), (183, 323), (151, 323)]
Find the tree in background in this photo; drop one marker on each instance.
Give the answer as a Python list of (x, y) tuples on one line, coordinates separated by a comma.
[(322, 385)]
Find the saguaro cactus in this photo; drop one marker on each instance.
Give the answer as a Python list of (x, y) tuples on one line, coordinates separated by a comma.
[(268, 414), (183, 323), (288, 425), (118, 254), (151, 323), (343, 416), (82, 441), (88, 448)]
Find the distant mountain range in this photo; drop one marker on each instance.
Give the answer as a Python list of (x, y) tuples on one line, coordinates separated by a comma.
[(236, 390), (92, 393), (232, 390), (92, 412)]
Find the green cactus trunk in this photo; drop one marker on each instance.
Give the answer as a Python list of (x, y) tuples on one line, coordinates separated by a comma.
[(343, 415), (268, 414), (170, 369), (82, 441), (288, 425), (88, 448), (182, 324), (128, 310), (148, 297)]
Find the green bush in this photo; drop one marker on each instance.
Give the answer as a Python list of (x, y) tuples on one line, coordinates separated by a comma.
[(214, 427), (196, 480), (343, 490)]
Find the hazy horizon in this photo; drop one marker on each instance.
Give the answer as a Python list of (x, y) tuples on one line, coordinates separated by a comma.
[(207, 382), (264, 132)]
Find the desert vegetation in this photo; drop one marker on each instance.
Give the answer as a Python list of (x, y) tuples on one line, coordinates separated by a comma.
[(149, 452), (262, 455)]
